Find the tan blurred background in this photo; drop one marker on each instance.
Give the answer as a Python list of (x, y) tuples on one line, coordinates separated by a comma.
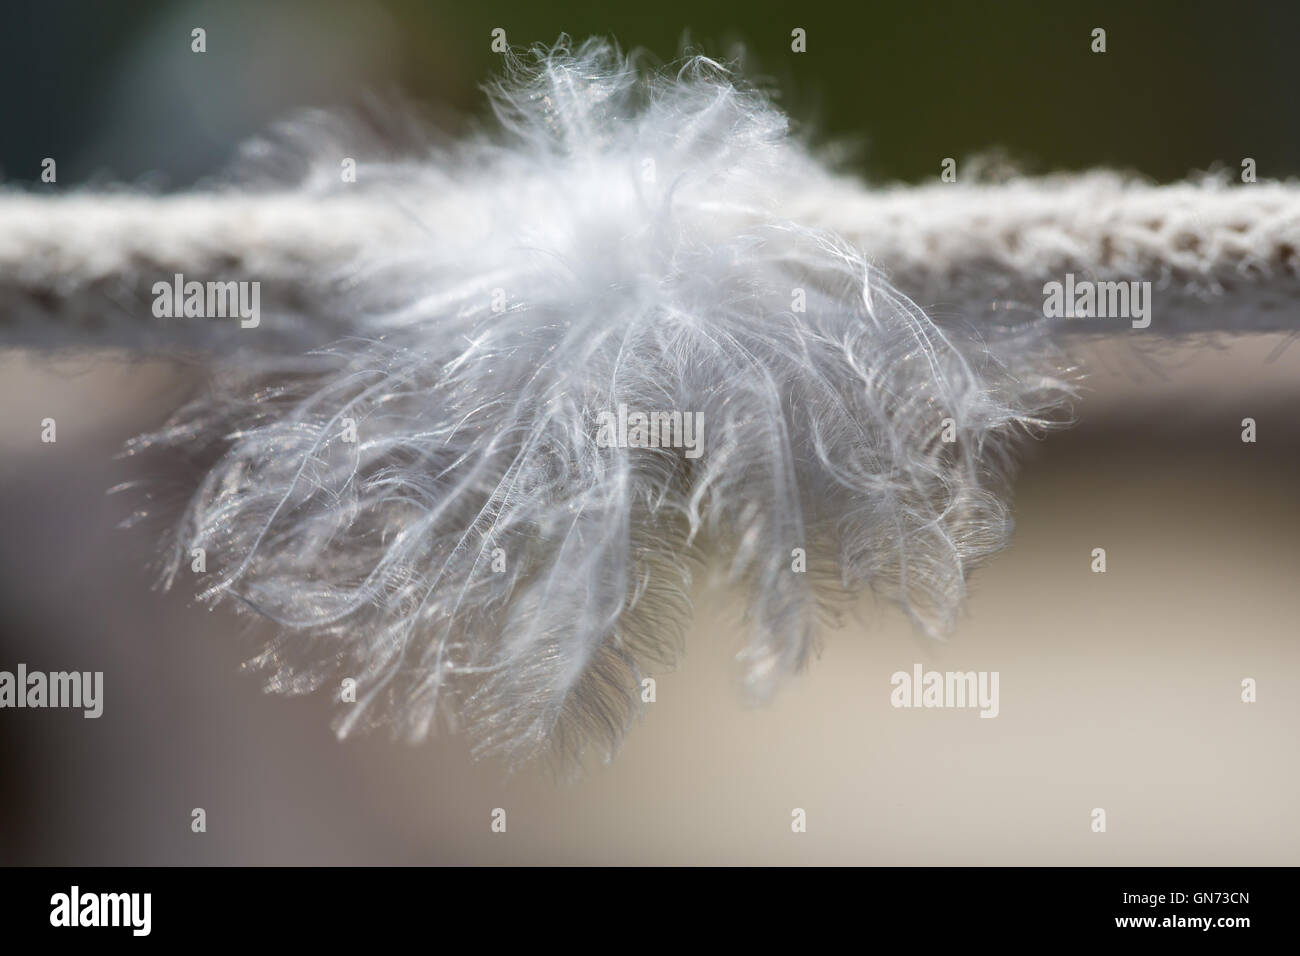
[(1118, 690)]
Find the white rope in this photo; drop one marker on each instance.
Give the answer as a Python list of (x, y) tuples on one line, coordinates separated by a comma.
[(1220, 257)]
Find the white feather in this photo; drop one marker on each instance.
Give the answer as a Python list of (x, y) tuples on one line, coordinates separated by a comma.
[(634, 225)]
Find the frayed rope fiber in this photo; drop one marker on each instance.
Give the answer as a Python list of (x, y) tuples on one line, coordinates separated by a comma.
[(414, 476)]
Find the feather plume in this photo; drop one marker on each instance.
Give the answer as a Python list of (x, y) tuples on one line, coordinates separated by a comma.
[(428, 506)]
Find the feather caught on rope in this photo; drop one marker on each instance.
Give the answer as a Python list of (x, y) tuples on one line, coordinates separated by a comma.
[(413, 475)]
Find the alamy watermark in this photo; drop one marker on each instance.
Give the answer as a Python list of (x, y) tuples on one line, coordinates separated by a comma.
[(208, 300), (626, 429), (946, 689), (75, 908), (1085, 299), (36, 689)]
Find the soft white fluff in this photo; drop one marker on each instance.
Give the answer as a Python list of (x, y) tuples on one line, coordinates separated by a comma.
[(631, 221)]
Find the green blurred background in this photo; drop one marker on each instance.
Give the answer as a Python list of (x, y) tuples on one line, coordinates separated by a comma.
[(112, 91)]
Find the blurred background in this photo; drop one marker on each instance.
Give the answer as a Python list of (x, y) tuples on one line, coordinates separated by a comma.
[(114, 92), (1118, 690)]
